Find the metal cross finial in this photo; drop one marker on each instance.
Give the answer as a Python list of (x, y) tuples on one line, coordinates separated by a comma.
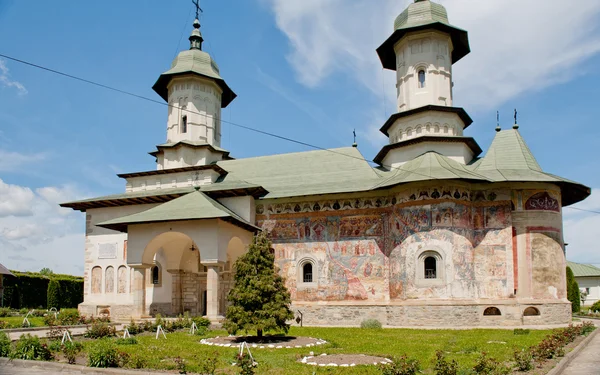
[(516, 125), (498, 128), (515, 115), (198, 9), (354, 133)]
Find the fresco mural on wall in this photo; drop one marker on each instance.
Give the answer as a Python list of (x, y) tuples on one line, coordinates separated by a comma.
[(370, 253)]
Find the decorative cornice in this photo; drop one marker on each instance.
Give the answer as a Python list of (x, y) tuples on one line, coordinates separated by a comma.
[(464, 116), (469, 141)]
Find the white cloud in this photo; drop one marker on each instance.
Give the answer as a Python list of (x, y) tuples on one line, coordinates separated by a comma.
[(580, 230), (35, 232), (6, 81), (15, 200), (517, 46), (13, 161)]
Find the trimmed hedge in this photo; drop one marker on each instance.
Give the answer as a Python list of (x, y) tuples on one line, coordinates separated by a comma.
[(30, 290)]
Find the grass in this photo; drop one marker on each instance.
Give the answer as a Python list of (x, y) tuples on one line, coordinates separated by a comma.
[(17, 321), (464, 346)]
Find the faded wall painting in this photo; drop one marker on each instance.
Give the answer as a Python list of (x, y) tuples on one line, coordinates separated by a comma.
[(544, 247), (110, 280), (122, 279), (96, 280), (367, 249)]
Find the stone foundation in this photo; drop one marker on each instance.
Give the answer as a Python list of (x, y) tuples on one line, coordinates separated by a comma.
[(117, 313), (437, 314)]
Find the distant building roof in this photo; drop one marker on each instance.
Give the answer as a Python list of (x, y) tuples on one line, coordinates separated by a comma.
[(5, 271), (584, 270)]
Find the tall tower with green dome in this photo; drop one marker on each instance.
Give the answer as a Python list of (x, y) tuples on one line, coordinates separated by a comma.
[(196, 92), (422, 50)]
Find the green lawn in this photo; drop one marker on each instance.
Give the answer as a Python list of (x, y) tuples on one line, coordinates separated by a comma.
[(463, 345), (17, 321)]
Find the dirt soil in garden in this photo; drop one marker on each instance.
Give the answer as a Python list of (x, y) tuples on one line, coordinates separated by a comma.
[(546, 366), (347, 359), (266, 340)]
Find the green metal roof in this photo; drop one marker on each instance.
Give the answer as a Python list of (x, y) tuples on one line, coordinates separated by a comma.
[(192, 206), (419, 16), (340, 170), (430, 166), (194, 61), (509, 159), (584, 270)]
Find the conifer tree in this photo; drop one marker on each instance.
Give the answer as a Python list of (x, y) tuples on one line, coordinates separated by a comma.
[(259, 299), (573, 291), (53, 294)]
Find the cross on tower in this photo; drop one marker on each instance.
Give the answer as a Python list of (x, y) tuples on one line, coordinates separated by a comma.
[(198, 9)]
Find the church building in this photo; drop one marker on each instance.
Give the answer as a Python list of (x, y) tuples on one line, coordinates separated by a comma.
[(439, 233)]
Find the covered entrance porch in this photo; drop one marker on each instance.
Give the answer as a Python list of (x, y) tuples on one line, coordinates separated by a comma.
[(181, 255)]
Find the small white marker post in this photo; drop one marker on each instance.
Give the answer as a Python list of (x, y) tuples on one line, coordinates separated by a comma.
[(193, 328), (160, 329), (66, 336), (245, 344), (126, 333), (25, 320)]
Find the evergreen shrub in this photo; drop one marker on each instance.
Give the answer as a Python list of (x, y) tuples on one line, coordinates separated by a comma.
[(573, 293), (30, 290), (53, 294), (595, 307)]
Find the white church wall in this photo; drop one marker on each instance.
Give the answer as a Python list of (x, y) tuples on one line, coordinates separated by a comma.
[(171, 180), (186, 156), (458, 151), (426, 123), (160, 293), (107, 248), (430, 52), (199, 100), (243, 206)]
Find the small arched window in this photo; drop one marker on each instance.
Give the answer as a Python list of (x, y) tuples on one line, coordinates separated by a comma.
[(184, 124), (307, 272), (421, 78), (430, 268), (492, 311), (531, 311), (155, 275)]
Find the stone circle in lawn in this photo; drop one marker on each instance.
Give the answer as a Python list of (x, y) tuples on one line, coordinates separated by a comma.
[(344, 360), (266, 342)]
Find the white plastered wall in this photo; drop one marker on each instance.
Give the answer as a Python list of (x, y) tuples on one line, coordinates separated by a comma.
[(426, 123), (457, 151), (202, 100), (186, 156), (429, 51), (591, 283), (243, 206), (171, 180)]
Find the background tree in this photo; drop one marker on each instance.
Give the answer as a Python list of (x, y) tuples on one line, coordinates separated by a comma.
[(259, 298), (46, 271), (54, 294), (573, 291)]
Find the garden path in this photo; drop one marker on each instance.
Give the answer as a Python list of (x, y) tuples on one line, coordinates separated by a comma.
[(76, 331), (587, 362)]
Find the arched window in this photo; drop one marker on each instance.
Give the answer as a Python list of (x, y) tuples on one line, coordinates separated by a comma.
[(184, 124), (430, 268), (492, 311), (307, 273), (421, 78), (531, 311), (155, 275)]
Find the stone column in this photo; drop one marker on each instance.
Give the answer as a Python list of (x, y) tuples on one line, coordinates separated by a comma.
[(138, 290), (212, 292), (176, 291)]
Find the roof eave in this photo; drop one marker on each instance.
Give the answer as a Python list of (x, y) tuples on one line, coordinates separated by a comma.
[(464, 116), (460, 41), (160, 87), (124, 227)]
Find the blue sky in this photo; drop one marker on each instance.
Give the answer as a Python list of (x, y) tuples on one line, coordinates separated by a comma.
[(302, 69)]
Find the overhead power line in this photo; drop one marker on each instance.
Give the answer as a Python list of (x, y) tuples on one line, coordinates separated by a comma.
[(228, 122)]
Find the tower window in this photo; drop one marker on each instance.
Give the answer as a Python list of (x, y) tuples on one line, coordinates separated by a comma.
[(307, 272), (421, 78), (184, 124), (430, 268)]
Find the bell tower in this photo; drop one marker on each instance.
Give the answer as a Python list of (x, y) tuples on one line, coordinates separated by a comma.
[(196, 93), (422, 50)]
